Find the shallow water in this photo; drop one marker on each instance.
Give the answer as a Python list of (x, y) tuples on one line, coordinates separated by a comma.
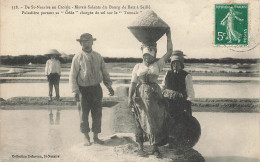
[(28, 132), (39, 90), (232, 134), (224, 90)]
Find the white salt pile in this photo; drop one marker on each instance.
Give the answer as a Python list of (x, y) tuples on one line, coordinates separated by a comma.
[(149, 19)]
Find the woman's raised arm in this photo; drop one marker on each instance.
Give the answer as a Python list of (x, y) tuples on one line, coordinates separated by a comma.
[(169, 45)]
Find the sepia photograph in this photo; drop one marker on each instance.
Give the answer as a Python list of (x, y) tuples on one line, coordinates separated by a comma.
[(130, 80)]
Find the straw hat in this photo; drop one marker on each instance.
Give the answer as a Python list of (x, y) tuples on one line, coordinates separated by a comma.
[(85, 37), (53, 52), (149, 50), (177, 56)]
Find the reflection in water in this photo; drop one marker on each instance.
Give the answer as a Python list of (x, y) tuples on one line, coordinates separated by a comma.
[(55, 143), (58, 117), (51, 116)]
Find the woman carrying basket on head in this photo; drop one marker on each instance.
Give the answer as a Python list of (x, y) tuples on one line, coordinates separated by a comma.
[(145, 96)]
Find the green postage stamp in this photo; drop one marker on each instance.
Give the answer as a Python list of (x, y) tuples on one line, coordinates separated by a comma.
[(231, 24)]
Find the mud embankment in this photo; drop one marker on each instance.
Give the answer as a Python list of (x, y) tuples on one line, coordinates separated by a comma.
[(198, 105)]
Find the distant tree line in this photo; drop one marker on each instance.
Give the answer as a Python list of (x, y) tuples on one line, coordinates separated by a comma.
[(222, 60), (41, 59), (26, 59)]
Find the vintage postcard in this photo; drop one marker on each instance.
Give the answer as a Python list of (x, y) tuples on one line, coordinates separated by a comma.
[(129, 80)]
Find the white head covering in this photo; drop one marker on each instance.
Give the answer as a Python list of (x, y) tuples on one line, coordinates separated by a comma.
[(149, 50)]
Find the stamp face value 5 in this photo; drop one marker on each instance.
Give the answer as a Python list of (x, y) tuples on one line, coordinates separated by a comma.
[(231, 24)]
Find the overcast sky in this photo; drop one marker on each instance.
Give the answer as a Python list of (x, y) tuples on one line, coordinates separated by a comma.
[(192, 25)]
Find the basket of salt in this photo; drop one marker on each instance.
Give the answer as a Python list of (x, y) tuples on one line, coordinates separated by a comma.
[(148, 27)]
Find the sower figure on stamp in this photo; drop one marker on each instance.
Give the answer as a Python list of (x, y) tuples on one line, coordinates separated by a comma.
[(228, 21), (178, 87), (88, 70), (145, 96)]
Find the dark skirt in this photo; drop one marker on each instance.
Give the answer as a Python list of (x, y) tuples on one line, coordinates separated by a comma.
[(150, 113)]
